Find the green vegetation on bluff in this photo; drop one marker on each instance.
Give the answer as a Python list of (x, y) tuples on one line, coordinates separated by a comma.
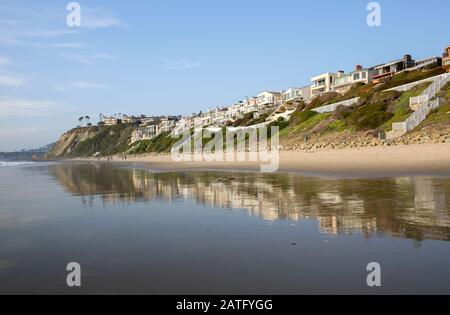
[(108, 140), (375, 112)]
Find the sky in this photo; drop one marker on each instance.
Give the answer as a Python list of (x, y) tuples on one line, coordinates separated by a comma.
[(176, 57)]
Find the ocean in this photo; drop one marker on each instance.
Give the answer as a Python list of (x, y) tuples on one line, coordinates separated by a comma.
[(14, 163)]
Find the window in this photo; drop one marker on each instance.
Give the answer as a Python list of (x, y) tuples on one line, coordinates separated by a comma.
[(364, 75), (356, 76)]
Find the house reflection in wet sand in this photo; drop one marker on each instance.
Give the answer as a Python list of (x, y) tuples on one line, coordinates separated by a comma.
[(415, 208)]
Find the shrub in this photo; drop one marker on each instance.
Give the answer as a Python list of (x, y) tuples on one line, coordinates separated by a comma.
[(321, 100), (411, 76), (368, 117), (385, 97), (342, 112), (299, 117)]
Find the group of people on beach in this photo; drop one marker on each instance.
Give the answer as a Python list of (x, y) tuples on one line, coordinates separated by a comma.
[(110, 158)]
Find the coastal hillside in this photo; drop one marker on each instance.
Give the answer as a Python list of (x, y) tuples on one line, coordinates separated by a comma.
[(89, 141), (366, 122)]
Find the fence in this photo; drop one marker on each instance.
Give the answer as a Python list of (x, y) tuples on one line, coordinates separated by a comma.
[(333, 107), (424, 107)]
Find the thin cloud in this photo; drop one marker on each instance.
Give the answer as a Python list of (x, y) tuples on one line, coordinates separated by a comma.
[(4, 61), (8, 22), (45, 33), (67, 45), (6, 80), (182, 64), (60, 88), (89, 85), (87, 60), (22, 107), (92, 18)]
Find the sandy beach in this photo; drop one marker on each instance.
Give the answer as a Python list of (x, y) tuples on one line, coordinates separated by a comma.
[(426, 159)]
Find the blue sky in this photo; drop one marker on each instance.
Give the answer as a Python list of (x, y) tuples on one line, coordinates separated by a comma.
[(183, 56)]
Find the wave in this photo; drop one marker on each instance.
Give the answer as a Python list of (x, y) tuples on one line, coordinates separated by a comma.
[(15, 163)]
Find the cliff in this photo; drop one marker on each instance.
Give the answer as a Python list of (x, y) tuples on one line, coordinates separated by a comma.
[(85, 142)]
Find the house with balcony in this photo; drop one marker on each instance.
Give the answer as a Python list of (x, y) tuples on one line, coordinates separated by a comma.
[(322, 83), (206, 119), (388, 70), (219, 117), (235, 110), (446, 58), (153, 130), (184, 124), (297, 94), (249, 105), (146, 133), (428, 62), (145, 121), (268, 99), (167, 124), (344, 82), (111, 121)]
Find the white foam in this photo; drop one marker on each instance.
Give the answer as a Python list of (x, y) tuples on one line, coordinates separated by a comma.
[(15, 163)]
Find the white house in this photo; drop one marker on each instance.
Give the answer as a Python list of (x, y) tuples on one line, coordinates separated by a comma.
[(296, 94), (235, 110), (110, 121), (206, 119), (220, 117), (268, 99), (250, 105), (184, 124), (146, 133), (322, 83), (343, 82), (167, 124)]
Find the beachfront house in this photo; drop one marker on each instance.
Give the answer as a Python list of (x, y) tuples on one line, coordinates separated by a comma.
[(130, 119), (111, 121), (296, 94), (167, 124), (145, 133), (322, 83), (429, 62), (220, 117), (343, 82), (183, 124), (268, 99), (235, 110), (145, 121), (249, 105), (446, 58), (206, 119), (388, 70)]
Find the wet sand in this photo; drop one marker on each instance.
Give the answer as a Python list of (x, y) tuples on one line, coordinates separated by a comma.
[(427, 159)]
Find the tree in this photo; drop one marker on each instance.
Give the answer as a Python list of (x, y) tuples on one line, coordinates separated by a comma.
[(80, 119), (87, 120)]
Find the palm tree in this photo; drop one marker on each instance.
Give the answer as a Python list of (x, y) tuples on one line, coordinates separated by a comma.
[(87, 119), (80, 120)]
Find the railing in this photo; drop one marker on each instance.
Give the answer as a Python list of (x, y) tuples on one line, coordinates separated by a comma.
[(333, 107), (418, 100), (425, 106), (420, 115), (436, 86), (409, 86)]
